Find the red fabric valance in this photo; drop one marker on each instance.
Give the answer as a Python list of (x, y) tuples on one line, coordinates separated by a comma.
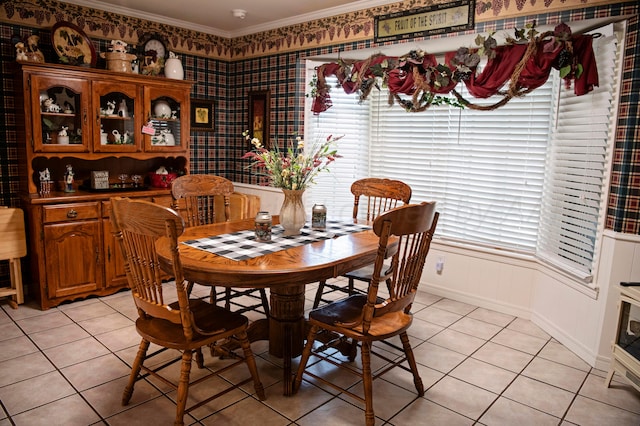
[(526, 66)]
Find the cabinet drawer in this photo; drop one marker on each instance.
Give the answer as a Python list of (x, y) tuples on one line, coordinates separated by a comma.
[(68, 212)]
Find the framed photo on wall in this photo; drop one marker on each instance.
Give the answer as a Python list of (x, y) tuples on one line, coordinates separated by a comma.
[(202, 114), (259, 110)]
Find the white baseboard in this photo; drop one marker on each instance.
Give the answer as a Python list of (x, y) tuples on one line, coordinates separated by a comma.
[(476, 300)]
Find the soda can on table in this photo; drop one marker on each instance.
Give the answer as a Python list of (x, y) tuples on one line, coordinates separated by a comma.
[(263, 226), (319, 217)]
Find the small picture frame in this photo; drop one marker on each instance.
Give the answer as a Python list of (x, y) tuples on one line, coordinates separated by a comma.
[(259, 113), (202, 115)]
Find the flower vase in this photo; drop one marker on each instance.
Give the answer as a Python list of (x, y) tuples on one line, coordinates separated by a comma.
[(292, 214)]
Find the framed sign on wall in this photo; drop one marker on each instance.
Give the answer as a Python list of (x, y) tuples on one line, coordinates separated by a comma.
[(202, 115), (442, 18), (259, 110)]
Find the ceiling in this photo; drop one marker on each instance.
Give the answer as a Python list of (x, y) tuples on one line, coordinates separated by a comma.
[(217, 16)]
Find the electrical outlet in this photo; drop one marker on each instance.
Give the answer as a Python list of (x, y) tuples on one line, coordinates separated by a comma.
[(440, 265)]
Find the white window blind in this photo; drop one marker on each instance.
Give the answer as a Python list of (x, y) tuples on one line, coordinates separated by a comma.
[(484, 168), (578, 163), (347, 117), (529, 176)]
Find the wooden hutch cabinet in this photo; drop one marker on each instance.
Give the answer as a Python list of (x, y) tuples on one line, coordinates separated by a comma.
[(125, 124)]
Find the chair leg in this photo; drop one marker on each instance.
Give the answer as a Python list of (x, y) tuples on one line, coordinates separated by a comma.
[(251, 363), (319, 292), (306, 353), (227, 298), (417, 381), (183, 387), (189, 288), (351, 286), (367, 383), (135, 370), (353, 351), (199, 358), (265, 301), (213, 296)]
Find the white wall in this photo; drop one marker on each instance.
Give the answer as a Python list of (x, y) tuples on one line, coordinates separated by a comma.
[(581, 318), (270, 198)]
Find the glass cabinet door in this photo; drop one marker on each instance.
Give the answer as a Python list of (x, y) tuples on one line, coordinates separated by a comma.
[(117, 109), (168, 111), (60, 114)]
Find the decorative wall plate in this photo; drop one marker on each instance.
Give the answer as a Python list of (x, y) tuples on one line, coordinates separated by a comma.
[(72, 45)]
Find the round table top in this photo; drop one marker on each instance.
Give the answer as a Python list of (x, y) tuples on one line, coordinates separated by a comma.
[(303, 264)]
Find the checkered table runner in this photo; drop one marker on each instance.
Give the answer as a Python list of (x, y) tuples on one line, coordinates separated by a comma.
[(242, 245)]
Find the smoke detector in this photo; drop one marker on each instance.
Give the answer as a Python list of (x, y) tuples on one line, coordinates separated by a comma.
[(239, 13)]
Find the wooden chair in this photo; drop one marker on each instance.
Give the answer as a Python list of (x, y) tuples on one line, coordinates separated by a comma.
[(379, 195), (405, 234), (185, 325), (14, 246), (194, 197)]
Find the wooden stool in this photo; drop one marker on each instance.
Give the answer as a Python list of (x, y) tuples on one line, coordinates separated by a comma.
[(13, 247)]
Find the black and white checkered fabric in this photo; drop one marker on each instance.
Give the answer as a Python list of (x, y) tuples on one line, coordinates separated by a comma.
[(242, 245)]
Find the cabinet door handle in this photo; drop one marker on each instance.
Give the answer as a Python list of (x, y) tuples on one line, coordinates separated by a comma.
[(72, 214)]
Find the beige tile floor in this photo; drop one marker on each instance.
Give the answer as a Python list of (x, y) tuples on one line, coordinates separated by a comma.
[(68, 366)]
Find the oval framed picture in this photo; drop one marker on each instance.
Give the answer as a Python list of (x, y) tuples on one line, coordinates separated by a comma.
[(72, 45)]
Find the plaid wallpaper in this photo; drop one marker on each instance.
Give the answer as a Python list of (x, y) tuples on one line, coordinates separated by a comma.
[(229, 82)]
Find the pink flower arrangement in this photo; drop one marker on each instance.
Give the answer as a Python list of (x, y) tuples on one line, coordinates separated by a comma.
[(292, 168)]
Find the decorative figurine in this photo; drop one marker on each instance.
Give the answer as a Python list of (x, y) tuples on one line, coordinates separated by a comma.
[(45, 182), (117, 137), (111, 107), (49, 105), (63, 136), (151, 64), (103, 136), (118, 46), (123, 111), (166, 137), (21, 54), (68, 179), (68, 108), (32, 51), (117, 57)]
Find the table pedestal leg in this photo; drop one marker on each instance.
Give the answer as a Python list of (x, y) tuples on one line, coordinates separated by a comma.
[(286, 327)]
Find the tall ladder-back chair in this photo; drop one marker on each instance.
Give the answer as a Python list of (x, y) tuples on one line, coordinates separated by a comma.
[(185, 325), (405, 234), (372, 197), (194, 198)]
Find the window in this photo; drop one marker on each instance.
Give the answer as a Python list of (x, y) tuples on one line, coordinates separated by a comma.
[(498, 176)]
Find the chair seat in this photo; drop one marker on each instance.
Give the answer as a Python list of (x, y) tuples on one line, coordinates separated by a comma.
[(208, 319), (335, 315)]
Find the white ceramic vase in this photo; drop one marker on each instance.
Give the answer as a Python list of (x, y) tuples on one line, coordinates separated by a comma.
[(173, 67), (162, 109), (292, 214)]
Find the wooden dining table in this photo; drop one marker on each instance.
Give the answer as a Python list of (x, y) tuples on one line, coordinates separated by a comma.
[(284, 272)]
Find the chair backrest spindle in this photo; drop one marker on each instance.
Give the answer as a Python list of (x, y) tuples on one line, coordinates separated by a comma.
[(405, 234), (379, 195), (138, 225), (194, 198)]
